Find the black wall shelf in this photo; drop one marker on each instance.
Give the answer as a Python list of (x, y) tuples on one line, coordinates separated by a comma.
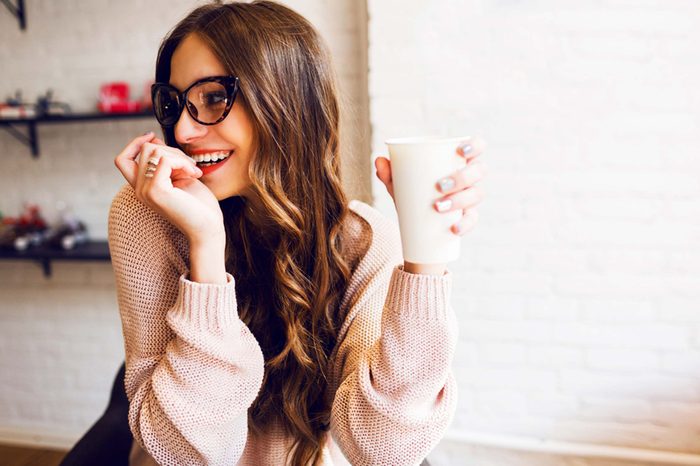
[(31, 139), (17, 11), (90, 251)]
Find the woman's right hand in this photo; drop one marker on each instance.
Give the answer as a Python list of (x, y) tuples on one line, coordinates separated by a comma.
[(174, 191)]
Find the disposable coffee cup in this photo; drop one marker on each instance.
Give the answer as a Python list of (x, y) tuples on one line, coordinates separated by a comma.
[(417, 163)]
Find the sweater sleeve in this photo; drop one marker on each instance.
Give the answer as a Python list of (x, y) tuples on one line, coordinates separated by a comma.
[(396, 395), (192, 367)]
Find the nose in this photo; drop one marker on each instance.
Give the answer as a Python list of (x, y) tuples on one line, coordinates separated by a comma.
[(187, 129)]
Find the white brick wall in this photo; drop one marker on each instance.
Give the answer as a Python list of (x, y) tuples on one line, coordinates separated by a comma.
[(578, 292)]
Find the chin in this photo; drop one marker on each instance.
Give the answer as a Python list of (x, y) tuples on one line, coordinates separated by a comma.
[(221, 195)]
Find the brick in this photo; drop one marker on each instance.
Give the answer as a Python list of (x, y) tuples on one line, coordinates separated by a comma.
[(683, 209), (554, 356), (518, 378), (623, 208), (652, 387), (616, 410), (552, 404), (497, 259), (521, 284), (685, 363), (497, 308), (617, 310), (626, 286), (551, 308), (559, 261), (623, 46), (631, 336), (501, 354), (486, 330), (677, 309), (502, 402), (623, 360)]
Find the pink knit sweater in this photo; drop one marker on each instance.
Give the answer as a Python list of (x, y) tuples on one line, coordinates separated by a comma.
[(193, 368)]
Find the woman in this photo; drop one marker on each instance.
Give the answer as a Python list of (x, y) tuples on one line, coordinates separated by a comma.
[(267, 320)]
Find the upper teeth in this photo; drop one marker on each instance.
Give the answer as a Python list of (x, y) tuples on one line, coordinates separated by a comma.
[(211, 156)]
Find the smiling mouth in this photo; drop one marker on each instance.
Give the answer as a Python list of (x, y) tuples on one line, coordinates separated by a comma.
[(211, 158)]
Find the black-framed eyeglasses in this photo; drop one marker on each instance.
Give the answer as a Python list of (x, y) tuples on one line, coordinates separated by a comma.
[(207, 100)]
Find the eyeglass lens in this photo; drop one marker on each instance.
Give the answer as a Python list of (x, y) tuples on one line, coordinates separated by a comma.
[(206, 103)]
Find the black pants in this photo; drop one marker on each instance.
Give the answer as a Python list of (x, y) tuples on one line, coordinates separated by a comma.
[(108, 442)]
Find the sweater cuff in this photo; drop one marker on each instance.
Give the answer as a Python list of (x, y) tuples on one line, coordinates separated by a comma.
[(206, 306), (419, 295)]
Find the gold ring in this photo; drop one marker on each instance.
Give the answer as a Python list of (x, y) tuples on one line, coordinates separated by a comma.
[(149, 175), (153, 161)]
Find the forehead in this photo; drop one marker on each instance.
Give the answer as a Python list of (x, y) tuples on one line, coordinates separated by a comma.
[(193, 60)]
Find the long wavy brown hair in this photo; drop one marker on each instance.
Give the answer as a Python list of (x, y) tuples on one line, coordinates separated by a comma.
[(290, 272)]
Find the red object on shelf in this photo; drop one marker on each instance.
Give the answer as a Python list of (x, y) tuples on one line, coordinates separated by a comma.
[(119, 107), (114, 98)]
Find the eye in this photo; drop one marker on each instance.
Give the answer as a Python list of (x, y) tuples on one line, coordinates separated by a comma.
[(215, 98)]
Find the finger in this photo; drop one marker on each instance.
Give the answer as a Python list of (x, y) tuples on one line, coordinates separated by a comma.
[(463, 178), (126, 160), (147, 153), (466, 223), (155, 155), (175, 151), (153, 167), (383, 166), (158, 179), (471, 148), (178, 160), (461, 200)]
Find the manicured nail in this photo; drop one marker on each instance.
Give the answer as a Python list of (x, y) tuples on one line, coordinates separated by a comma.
[(465, 148), (446, 184), (443, 206)]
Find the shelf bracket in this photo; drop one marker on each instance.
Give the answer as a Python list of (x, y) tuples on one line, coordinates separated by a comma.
[(30, 140), (17, 11), (46, 265)]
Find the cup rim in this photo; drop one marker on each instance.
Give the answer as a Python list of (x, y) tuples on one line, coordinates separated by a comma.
[(425, 140)]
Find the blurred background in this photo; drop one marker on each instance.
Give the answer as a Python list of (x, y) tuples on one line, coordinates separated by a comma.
[(578, 294)]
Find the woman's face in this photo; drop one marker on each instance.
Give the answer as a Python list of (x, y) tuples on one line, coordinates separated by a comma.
[(193, 60)]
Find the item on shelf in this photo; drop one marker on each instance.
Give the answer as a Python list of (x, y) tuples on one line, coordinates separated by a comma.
[(69, 232), (8, 233), (45, 105), (17, 111), (25, 231), (13, 107), (114, 98)]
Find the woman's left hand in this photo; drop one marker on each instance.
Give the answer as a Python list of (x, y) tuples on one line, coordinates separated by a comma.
[(460, 190)]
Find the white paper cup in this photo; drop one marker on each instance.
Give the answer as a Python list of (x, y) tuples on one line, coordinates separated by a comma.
[(417, 163)]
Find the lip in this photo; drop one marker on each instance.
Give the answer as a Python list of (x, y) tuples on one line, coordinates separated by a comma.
[(211, 168)]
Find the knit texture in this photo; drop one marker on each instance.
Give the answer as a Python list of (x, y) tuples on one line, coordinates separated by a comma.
[(193, 368)]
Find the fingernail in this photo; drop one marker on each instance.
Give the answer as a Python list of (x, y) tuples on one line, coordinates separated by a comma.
[(443, 205), (446, 184), (147, 133), (457, 229), (465, 148)]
